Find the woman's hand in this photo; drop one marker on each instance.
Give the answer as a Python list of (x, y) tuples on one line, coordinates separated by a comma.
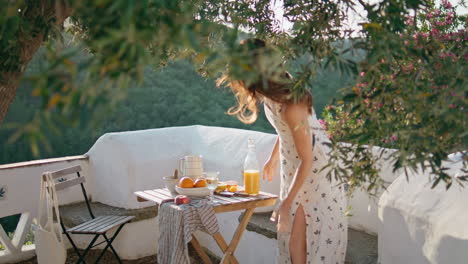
[(269, 169)]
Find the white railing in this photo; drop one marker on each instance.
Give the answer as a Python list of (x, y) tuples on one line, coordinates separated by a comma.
[(21, 185)]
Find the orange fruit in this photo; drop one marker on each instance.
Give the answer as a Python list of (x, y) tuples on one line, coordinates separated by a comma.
[(186, 182), (232, 188), (200, 183)]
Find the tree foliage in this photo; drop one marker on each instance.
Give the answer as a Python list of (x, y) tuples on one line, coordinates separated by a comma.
[(411, 98), (126, 37)]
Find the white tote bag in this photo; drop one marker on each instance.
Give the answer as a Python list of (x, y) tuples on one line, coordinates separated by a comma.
[(50, 248)]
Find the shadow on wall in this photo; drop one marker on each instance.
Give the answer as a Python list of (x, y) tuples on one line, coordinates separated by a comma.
[(396, 244), (448, 245)]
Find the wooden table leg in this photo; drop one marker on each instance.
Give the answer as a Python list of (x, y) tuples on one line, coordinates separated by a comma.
[(196, 245), (224, 246), (237, 235)]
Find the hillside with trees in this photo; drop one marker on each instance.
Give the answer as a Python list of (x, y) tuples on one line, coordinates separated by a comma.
[(176, 95)]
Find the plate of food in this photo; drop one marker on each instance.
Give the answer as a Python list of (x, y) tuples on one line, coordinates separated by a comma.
[(227, 186)]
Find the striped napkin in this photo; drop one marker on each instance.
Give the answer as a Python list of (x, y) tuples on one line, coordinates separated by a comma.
[(176, 226)]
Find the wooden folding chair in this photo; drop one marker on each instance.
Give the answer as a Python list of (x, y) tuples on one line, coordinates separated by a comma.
[(97, 226)]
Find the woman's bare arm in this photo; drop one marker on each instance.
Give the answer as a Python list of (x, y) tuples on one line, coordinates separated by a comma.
[(296, 116), (269, 169), (275, 152)]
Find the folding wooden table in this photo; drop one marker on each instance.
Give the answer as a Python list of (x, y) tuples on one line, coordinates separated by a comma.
[(221, 205)]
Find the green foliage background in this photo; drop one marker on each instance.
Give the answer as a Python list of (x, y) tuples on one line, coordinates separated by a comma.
[(175, 95)]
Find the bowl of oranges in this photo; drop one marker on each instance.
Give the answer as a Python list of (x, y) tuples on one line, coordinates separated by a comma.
[(195, 188)]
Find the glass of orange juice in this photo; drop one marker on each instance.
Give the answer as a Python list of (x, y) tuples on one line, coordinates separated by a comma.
[(252, 181)]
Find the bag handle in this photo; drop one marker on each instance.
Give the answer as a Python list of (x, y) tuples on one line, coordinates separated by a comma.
[(49, 196), (50, 205), (41, 199), (54, 205)]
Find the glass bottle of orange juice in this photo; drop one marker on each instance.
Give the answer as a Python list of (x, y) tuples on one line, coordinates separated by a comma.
[(251, 170)]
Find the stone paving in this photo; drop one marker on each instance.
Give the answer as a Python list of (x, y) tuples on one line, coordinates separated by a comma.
[(362, 247), (109, 258)]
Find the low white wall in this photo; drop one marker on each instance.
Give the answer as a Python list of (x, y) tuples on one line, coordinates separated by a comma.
[(131, 161), (364, 207), (423, 225)]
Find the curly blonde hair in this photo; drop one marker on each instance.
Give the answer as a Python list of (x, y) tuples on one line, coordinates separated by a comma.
[(249, 96)]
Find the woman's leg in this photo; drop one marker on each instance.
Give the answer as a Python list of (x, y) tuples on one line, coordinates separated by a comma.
[(298, 239)]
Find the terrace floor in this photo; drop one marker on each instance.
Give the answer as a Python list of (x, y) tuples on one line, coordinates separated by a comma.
[(109, 258), (362, 249)]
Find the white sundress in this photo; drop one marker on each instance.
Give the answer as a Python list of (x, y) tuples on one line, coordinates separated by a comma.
[(324, 202)]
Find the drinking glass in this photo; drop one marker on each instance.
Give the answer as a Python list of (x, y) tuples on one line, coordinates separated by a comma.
[(212, 183)]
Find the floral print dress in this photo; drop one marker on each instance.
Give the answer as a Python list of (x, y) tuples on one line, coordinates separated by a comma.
[(324, 202)]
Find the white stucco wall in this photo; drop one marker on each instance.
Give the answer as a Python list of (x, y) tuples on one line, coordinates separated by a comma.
[(423, 225), (130, 161), (123, 163), (364, 207)]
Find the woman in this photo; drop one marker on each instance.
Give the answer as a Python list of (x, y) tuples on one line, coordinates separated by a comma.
[(312, 227)]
